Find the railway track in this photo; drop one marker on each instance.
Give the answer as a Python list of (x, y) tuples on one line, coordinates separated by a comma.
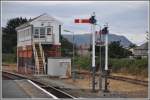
[(7, 75), (60, 93), (120, 78), (134, 81), (56, 92)]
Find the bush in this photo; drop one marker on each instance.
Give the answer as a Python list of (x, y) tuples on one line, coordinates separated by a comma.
[(82, 62), (131, 66), (138, 67)]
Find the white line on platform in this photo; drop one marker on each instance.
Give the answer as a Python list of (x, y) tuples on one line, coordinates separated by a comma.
[(54, 97)]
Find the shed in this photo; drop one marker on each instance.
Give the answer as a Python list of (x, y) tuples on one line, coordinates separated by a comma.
[(59, 66), (141, 51)]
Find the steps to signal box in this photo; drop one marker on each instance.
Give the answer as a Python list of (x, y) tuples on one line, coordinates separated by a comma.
[(41, 65)]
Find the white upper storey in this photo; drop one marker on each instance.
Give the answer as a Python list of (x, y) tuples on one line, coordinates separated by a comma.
[(43, 29)]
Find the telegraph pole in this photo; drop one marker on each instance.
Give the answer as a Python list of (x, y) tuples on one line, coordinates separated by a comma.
[(73, 54), (100, 59), (74, 72), (106, 52)]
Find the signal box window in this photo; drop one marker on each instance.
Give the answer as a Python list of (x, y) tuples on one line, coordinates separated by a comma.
[(49, 31), (42, 32), (36, 32)]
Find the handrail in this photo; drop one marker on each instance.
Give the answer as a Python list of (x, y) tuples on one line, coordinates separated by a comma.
[(43, 56), (35, 57)]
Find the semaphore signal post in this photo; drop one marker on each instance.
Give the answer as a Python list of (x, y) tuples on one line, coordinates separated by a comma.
[(92, 21), (104, 31)]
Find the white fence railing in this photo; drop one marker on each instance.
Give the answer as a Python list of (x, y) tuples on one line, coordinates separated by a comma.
[(43, 56), (35, 58)]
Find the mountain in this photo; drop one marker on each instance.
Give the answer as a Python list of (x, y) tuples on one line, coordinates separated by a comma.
[(87, 38)]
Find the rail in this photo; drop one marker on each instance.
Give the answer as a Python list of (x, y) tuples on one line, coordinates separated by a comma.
[(57, 92), (11, 76), (130, 80)]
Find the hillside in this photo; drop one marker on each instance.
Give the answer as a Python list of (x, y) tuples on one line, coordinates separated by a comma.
[(86, 39)]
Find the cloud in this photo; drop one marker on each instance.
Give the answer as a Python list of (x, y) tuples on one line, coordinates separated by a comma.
[(127, 18), (136, 37)]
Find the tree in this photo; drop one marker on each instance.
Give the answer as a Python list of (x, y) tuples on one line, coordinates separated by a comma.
[(9, 36), (132, 45), (117, 51), (66, 47)]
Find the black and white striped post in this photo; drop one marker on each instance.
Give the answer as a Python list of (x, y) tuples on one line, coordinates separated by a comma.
[(93, 24), (105, 31), (92, 21)]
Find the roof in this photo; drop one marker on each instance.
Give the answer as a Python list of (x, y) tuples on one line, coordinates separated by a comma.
[(143, 46), (59, 58), (36, 17), (28, 23)]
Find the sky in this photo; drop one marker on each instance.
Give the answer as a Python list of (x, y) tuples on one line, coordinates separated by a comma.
[(127, 18)]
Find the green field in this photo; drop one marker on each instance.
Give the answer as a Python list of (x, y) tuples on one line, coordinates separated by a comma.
[(9, 58), (123, 65), (131, 66)]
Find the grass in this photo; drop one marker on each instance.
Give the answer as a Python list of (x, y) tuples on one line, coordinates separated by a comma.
[(9, 58), (131, 66), (82, 62), (124, 65), (137, 67)]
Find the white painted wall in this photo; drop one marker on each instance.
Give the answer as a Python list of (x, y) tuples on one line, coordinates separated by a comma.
[(56, 34), (58, 66), (49, 21), (43, 21), (24, 36)]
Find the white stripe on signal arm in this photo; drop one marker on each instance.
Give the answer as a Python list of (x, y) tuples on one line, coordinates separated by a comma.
[(80, 20)]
